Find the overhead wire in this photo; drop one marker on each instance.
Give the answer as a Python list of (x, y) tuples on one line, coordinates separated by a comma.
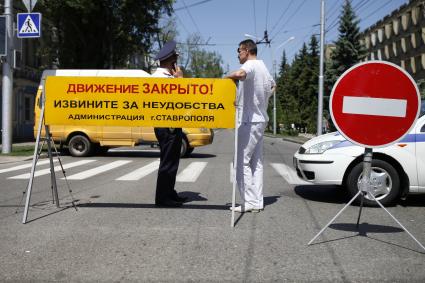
[(192, 5), (281, 16), (255, 19), (368, 16), (267, 13), (191, 18), (290, 18)]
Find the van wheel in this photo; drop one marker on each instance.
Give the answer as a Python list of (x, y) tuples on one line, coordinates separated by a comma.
[(385, 182), (189, 151), (184, 152), (80, 146)]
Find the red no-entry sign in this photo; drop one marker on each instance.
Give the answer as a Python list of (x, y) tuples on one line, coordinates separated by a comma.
[(374, 104)]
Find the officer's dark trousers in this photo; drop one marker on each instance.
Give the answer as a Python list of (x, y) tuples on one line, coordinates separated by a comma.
[(170, 143)]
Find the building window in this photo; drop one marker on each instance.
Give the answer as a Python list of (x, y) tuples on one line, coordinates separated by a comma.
[(373, 38), (423, 35), (387, 52), (380, 34), (413, 40), (395, 49), (403, 45), (388, 30), (415, 15), (413, 65), (423, 61), (379, 54), (405, 20), (396, 26)]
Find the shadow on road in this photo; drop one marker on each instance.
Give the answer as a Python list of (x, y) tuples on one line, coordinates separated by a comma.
[(337, 194), (413, 200), (329, 194), (151, 205), (365, 228)]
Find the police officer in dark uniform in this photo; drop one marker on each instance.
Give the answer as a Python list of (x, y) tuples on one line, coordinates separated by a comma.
[(170, 139)]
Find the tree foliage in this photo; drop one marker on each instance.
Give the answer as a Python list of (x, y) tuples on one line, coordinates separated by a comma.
[(298, 81), (297, 88), (98, 34), (348, 50), (198, 62)]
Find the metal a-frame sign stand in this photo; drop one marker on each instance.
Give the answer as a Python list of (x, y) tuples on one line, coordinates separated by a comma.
[(37, 152), (385, 87), (365, 189)]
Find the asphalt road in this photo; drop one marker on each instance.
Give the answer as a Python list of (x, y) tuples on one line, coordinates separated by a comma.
[(118, 234)]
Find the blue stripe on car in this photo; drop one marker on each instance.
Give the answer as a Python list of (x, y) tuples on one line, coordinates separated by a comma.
[(407, 139)]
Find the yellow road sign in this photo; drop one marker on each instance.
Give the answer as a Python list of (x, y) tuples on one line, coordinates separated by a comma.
[(157, 102)]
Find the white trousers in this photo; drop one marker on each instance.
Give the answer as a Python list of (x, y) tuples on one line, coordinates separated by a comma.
[(249, 164)]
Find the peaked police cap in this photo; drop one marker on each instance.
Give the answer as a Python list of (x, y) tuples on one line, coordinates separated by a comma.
[(168, 50)]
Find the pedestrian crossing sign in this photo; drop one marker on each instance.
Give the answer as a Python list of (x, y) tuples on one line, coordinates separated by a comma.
[(29, 25)]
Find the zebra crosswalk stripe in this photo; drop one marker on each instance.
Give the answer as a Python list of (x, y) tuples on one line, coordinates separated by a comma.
[(56, 168), (141, 172), (191, 172), (288, 174), (98, 170), (28, 165)]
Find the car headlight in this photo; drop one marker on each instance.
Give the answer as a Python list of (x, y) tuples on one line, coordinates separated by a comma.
[(321, 147), (204, 130)]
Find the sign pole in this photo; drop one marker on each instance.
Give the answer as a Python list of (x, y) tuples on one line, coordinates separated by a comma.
[(7, 82), (235, 156)]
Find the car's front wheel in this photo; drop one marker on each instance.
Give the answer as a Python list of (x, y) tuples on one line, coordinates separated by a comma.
[(80, 146), (385, 182)]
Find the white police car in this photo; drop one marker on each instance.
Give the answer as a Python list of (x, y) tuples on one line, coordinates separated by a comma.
[(397, 169)]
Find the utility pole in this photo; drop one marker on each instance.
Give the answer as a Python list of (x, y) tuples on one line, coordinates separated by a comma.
[(7, 82), (322, 45)]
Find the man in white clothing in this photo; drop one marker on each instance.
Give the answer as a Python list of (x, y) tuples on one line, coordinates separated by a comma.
[(255, 88)]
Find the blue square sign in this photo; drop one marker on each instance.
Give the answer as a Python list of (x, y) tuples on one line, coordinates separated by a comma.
[(29, 25)]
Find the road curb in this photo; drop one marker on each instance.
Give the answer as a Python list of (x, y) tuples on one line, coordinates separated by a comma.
[(299, 139)]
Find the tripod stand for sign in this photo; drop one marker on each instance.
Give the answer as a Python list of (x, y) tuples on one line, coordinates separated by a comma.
[(365, 190), (37, 151), (377, 112)]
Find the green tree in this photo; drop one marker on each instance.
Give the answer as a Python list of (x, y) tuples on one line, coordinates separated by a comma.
[(198, 62), (99, 34), (348, 50), (297, 88)]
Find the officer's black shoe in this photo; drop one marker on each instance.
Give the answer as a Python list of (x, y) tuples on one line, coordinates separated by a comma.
[(168, 203), (179, 199)]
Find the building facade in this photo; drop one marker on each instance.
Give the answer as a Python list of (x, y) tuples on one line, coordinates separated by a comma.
[(400, 38)]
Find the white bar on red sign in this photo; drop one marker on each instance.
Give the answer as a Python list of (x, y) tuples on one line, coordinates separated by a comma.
[(374, 106)]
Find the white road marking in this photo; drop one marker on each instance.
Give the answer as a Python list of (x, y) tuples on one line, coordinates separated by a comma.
[(19, 167), (374, 106), (98, 170), (141, 172), (56, 168), (191, 172), (288, 173)]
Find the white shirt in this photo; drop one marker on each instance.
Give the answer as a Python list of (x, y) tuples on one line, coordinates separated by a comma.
[(162, 73), (255, 91)]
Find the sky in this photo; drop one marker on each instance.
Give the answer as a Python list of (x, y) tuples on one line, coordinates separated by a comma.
[(223, 24)]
